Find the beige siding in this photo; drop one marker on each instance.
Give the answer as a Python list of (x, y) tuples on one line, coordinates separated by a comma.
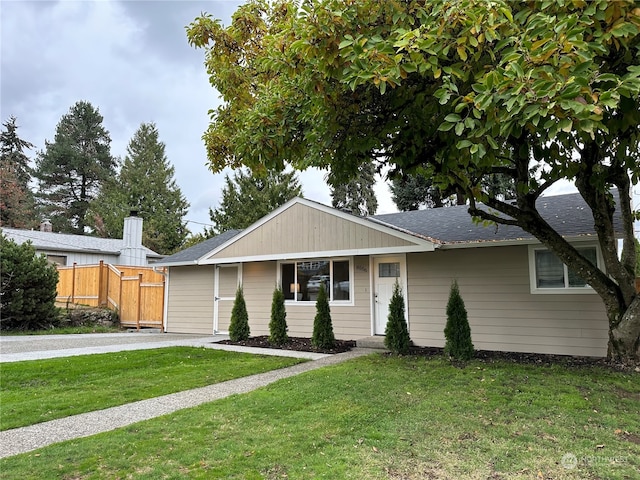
[(503, 314), (349, 321), (190, 300), (305, 229)]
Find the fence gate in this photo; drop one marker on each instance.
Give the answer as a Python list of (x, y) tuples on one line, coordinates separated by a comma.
[(136, 293)]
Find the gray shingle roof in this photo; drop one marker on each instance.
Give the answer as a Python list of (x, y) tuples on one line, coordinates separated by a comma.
[(568, 214), (192, 254), (70, 243)]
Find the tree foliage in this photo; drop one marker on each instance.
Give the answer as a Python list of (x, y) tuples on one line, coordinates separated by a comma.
[(322, 336), (73, 168), (536, 91), (457, 332), (239, 324), (278, 322), (248, 197), (145, 183), (17, 203), (356, 195), (27, 288), (396, 335)]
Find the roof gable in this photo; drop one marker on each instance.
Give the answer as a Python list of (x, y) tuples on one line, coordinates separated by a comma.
[(302, 228)]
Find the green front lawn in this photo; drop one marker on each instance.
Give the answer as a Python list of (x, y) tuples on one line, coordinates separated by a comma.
[(379, 417), (41, 390)]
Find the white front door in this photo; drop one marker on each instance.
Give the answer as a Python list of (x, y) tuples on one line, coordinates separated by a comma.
[(386, 271), (226, 283)]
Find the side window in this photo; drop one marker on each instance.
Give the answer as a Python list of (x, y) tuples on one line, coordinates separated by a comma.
[(550, 275)]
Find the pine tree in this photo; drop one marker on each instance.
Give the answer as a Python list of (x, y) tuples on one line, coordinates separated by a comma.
[(323, 337), (27, 287), (239, 326), (72, 170), (357, 195), (146, 184), (397, 333), (17, 203), (457, 331), (248, 197), (278, 323)]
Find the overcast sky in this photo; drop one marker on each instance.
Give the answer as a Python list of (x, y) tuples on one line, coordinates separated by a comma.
[(132, 61)]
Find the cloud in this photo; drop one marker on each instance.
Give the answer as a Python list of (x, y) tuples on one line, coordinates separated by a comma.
[(132, 61)]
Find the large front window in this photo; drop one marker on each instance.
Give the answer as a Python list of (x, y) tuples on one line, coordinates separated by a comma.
[(550, 274), (301, 281)]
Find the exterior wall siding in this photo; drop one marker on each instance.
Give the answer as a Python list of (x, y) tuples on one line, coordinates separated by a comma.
[(349, 321), (190, 300), (304, 229), (503, 314)]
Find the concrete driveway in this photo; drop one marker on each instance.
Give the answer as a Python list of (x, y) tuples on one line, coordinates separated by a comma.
[(34, 347)]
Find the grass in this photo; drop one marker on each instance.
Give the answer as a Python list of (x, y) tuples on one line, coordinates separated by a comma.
[(379, 417), (42, 390)]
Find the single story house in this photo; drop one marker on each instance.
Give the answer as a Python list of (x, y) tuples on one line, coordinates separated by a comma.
[(518, 295), (66, 249)]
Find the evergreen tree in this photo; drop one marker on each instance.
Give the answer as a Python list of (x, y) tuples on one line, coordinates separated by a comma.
[(417, 190), (457, 331), (72, 170), (248, 197), (27, 287), (278, 323), (323, 337), (397, 333), (145, 183), (17, 203), (357, 195), (239, 326)]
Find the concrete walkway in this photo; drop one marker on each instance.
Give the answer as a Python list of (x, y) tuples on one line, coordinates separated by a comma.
[(26, 439)]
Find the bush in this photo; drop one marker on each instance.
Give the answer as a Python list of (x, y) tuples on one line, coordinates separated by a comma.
[(397, 333), (239, 326), (27, 288), (457, 331), (322, 329), (278, 323)]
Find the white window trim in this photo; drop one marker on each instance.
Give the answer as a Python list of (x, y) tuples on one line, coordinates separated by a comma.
[(564, 290), (341, 303)]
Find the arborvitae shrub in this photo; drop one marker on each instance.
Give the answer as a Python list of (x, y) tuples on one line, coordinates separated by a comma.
[(322, 329), (239, 326), (397, 333), (457, 331), (27, 288), (278, 323)]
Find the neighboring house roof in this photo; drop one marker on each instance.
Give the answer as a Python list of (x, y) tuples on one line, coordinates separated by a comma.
[(568, 214), (192, 254), (64, 242), (450, 227)]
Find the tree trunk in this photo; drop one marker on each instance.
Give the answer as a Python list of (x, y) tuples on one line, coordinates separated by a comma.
[(624, 334)]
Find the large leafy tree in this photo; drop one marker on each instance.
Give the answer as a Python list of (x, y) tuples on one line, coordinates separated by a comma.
[(146, 184), (73, 168), (536, 91), (247, 197), (17, 203), (356, 195)]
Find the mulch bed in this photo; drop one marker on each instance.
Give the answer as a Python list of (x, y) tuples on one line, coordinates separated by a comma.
[(298, 344), (302, 344)]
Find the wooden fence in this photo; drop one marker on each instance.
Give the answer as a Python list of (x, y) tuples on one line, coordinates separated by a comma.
[(136, 293)]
